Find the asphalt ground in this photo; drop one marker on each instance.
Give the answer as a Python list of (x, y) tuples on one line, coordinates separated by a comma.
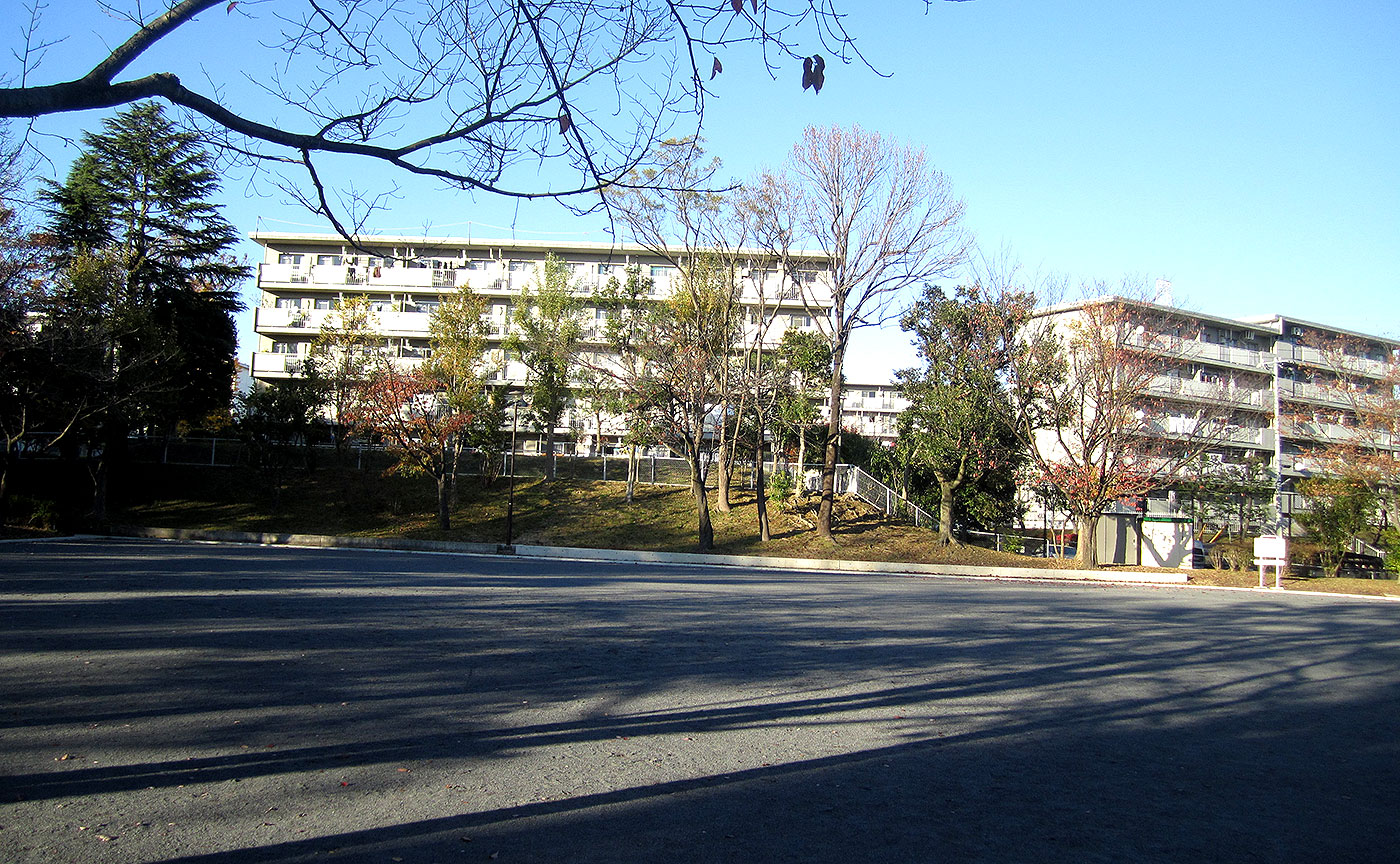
[(185, 702)]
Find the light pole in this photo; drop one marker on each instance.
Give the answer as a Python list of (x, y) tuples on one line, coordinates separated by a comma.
[(510, 496)]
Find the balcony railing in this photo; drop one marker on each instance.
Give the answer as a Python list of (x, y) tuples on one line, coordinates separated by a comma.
[(1291, 353), (1320, 430), (1336, 395), (1233, 394), (269, 365)]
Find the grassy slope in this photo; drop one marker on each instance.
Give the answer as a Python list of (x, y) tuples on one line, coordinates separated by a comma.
[(559, 513)]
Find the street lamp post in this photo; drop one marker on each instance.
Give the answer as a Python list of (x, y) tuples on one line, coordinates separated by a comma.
[(510, 497)]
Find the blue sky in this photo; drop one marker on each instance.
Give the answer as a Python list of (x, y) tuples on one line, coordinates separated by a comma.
[(1247, 151)]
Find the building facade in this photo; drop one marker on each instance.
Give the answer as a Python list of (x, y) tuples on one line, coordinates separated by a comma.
[(303, 277), (872, 410), (1289, 386)]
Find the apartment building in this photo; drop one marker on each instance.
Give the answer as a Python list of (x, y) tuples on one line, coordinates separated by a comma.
[(303, 276), (1287, 384), (872, 410)]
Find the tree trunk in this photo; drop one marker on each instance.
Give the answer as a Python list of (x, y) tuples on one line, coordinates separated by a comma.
[(763, 534), (6, 459), (833, 433), (1086, 553), (444, 490), (800, 483), (633, 466), (456, 451), (549, 452), (946, 488), (702, 510), (723, 464), (99, 491)]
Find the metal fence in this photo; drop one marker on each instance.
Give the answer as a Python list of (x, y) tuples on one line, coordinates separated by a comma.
[(852, 480), (233, 452), (652, 469)]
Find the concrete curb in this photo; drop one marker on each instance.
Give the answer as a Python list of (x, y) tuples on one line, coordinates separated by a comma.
[(694, 558)]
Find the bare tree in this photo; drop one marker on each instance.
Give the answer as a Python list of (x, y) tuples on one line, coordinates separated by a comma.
[(1098, 409), (666, 210), (885, 219), (474, 93)]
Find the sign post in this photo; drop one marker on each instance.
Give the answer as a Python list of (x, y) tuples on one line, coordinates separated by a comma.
[(1271, 550)]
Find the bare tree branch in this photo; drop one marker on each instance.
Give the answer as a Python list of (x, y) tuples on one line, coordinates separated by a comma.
[(455, 90)]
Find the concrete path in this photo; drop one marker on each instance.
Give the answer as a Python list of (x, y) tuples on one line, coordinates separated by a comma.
[(166, 701)]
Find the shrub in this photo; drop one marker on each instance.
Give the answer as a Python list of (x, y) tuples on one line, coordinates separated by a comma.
[(38, 513), (779, 488), (1235, 554)]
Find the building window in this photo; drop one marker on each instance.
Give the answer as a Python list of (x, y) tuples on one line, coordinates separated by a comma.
[(288, 258), (521, 266), (288, 303), (284, 347), (323, 303), (606, 269), (329, 260), (661, 271)]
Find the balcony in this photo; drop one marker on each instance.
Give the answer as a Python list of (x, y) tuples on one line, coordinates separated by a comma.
[(1241, 436), (1206, 352), (1219, 392), (402, 323), (1337, 395), (1335, 433), (266, 319), (858, 403), (269, 365), (1288, 352), (283, 274), (1212, 353)]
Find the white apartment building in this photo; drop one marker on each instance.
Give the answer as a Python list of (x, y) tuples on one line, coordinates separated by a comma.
[(1286, 394), (872, 410), (303, 276)]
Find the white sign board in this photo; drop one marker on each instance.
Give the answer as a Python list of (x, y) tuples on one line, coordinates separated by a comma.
[(1271, 547)]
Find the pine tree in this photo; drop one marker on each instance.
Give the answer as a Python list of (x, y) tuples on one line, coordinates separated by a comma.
[(145, 280), (138, 197)]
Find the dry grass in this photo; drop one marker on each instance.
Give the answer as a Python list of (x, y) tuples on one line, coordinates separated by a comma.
[(1338, 585), (582, 513)]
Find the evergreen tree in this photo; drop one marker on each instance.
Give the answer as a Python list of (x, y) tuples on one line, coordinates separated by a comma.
[(957, 428), (142, 258)]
